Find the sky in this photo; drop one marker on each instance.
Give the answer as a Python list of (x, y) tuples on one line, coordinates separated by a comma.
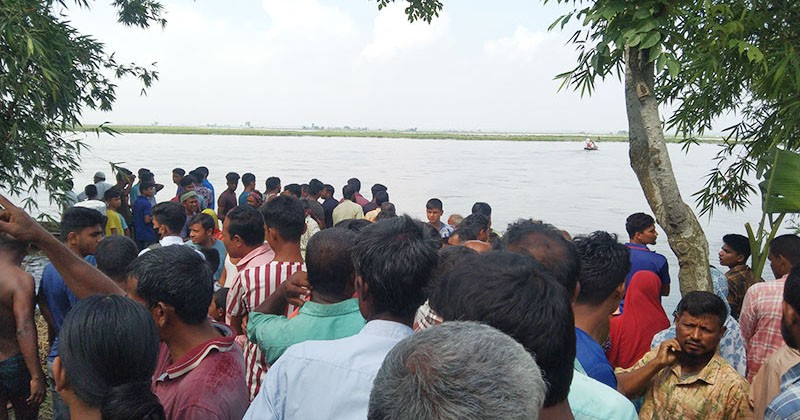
[(480, 66)]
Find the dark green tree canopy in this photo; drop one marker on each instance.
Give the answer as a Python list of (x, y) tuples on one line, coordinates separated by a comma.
[(50, 73)]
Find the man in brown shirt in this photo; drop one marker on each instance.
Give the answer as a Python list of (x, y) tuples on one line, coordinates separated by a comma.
[(734, 254)]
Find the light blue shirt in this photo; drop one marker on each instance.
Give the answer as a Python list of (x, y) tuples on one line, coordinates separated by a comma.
[(327, 379), (593, 400)]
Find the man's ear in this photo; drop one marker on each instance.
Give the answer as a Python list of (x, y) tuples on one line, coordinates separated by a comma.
[(160, 314), (59, 375), (619, 292), (789, 314), (362, 289), (72, 236)]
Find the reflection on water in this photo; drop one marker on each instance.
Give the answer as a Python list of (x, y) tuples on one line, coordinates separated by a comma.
[(558, 182)]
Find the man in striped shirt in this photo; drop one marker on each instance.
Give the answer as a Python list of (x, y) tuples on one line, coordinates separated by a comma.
[(787, 404), (284, 220), (760, 319)]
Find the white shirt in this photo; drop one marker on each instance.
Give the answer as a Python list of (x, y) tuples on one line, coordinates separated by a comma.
[(167, 241), (327, 379)]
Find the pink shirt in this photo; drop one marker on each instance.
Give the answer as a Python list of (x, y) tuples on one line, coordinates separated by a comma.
[(760, 322), (208, 382), (259, 256)]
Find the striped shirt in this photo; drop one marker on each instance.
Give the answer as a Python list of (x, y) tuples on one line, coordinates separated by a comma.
[(760, 322), (252, 287)]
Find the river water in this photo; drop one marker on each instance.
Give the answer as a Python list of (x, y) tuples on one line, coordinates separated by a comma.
[(557, 182)]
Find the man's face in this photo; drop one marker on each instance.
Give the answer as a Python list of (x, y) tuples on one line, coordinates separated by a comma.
[(158, 228), (88, 238), (176, 178), (434, 215), (648, 236), (228, 241), (698, 335), (779, 265), (324, 194), (148, 192), (788, 315), (232, 186), (115, 203), (189, 187), (191, 205), (728, 257), (198, 234)]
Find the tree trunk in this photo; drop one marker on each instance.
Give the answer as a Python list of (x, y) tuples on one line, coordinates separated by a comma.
[(650, 161)]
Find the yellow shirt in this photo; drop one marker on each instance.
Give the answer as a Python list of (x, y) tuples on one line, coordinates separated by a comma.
[(716, 392), (114, 222)]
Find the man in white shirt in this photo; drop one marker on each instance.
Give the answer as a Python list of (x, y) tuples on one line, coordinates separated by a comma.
[(333, 379)]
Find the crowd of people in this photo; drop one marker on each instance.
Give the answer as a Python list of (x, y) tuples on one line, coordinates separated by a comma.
[(293, 304)]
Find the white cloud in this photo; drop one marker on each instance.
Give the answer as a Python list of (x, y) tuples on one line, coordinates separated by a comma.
[(306, 18), (521, 46), (394, 34)]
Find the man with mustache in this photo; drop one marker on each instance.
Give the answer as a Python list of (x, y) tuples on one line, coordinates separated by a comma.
[(787, 404), (686, 377)]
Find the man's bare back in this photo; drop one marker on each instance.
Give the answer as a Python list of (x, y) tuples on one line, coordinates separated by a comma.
[(19, 360)]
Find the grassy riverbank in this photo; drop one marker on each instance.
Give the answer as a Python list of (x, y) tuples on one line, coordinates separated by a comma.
[(431, 135)]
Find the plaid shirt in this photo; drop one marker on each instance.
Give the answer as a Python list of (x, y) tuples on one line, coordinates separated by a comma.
[(426, 318), (787, 404), (761, 323), (740, 278)]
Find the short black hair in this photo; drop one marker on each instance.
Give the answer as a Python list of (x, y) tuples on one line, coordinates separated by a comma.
[(329, 188), (232, 177), (355, 183), (16, 248), (381, 197), (294, 189), (177, 276), (791, 289), (272, 183), (699, 302), (197, 175), (248, 179), (221, 298), (434, 203), (786, 246), (177, 171), (247, 223), (115, 254), (518, 296), (204, 220), (348, 192), (286, 215), (738, 243), (378, 187), (90, 191), (170, 214), (450, 257), (637, 223), (482, 208), (211, 256), (329, 261), (202, 169), (547, 244), (315, 186), (111, 194), (76, 219), (604, 264), (354, 225), (187, 180), (396, 258), (477, 220)]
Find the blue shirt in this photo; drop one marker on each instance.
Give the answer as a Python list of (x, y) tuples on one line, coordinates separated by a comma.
[(142, 208), (59, 299), (787, 404), (643, 258), (327, 379), (593, 359), (210, 187)]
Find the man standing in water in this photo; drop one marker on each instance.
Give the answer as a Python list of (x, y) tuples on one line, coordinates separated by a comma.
[(22, 380)]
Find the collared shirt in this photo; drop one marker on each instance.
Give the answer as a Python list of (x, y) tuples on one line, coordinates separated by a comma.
[(642, 258), (261, 255), (716, 392), (426, 317), (787, 404), (206, 383), (275, 333), (767, 382), (168, 241), (252, 287), (592, 400), (760, 321), (593, 359), (347, 210), (327, 379), (739, 278)]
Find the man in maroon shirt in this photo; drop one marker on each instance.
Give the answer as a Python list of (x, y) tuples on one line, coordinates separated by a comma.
[(227, 200)]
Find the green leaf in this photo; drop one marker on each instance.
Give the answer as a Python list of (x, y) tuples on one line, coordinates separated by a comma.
[(30, 46), (650, 40), (673, 67), (781, 188)]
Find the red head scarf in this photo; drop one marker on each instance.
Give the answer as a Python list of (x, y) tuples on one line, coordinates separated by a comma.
[(632, 332)]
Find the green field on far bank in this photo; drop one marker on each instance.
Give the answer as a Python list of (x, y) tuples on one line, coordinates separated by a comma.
[(399, 134)]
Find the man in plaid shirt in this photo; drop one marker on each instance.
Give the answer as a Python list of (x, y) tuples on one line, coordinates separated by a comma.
[(760, 319)]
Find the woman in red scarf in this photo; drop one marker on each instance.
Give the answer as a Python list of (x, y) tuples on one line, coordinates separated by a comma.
[(631, 333)]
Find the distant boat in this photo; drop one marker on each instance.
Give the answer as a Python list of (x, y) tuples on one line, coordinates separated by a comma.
[(590, 145)]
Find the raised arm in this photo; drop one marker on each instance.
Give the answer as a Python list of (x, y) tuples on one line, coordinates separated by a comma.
[(81, 277), (633, 383)]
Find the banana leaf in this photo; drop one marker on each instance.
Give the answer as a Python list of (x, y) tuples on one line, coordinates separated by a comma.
[(781, 187)]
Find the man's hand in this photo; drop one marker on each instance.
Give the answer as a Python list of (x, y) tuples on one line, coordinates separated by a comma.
[(17, 223), (244, 325), (38, 392), (296, 288), (668, 353)]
